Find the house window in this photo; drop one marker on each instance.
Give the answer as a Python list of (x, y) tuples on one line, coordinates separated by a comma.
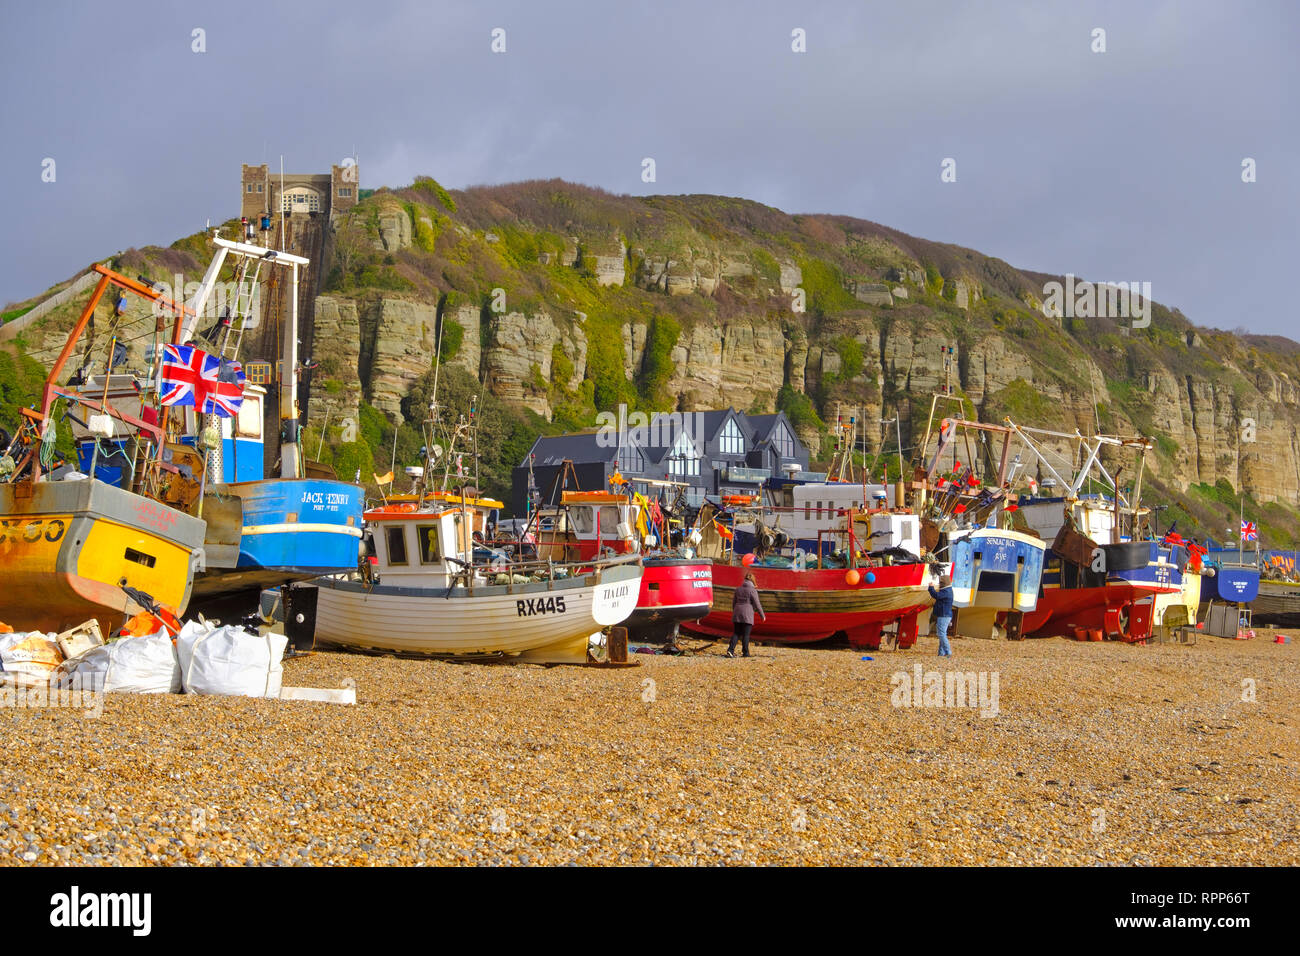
[(783, 441), (396, 538), (345, 191), (683, 459), (259, 187), (427, 535), (732, 442), (250, 187), (630, 459)]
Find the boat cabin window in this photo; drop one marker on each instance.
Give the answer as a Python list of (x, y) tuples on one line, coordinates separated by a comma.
[(396, 540), (430, 553), (580, 519), (609, 521)]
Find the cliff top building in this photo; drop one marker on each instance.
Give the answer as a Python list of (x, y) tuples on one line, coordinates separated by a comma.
[(324, 194)]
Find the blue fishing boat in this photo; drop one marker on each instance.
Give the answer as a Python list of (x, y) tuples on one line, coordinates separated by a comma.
[(996, 576), (263, 530), (1232, 581)]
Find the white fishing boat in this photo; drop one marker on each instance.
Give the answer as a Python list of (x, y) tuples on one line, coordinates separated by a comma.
[(419, 593)]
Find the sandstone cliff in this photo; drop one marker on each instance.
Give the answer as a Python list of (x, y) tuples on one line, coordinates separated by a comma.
[(563, 299)]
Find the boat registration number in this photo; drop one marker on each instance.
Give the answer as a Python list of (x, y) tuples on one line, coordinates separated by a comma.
[(531, 606), (20, 530)]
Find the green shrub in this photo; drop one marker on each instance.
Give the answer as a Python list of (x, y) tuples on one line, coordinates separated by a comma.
[(823, 285), (850, 353), (431, 186), (453, 334), (561, 368), (658, 366), (799, 408)]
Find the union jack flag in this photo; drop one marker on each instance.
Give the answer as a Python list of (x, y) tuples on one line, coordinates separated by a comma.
[(191, 377), (1249, 532)]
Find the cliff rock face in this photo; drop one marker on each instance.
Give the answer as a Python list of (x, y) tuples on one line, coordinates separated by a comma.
[(518, 363), (855, 316), (733, 364), (397, 341), (394, 230), (470, 354), (337, 346)]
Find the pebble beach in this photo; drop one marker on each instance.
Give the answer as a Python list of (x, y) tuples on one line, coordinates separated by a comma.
[(1098, 754)]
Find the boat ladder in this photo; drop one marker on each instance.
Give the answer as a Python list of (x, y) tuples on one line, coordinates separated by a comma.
[(242, 311)]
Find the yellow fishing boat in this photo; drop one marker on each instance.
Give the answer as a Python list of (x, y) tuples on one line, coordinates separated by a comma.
[(73, 547), (70, 549)]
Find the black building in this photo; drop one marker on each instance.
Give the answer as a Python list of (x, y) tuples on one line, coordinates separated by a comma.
[(713, 453)]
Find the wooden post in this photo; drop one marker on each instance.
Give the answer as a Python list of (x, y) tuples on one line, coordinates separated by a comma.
[(616, 645)]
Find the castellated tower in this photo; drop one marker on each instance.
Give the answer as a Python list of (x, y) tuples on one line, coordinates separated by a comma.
[(262, 192)]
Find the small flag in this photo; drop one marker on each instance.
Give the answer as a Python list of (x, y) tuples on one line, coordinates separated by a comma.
[(723, 531), (959, 509), (1249, 532), (384, 479)]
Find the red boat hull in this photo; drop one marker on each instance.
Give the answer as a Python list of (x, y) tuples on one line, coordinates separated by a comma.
[(807, 606), (673, 591), (1117, 610)]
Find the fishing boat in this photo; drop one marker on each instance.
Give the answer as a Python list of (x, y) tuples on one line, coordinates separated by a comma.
[(264, 530), (73, 546), (1098, 580), (676, 585), (996, 579), (1277, 604), (835, 591), (74, 549), (1102, 569), (423, 595)]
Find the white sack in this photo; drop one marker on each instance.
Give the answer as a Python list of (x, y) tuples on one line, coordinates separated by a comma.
[(230, 660), (138, 665)]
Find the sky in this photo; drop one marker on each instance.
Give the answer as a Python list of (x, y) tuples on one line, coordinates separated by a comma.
[(1122, 165)]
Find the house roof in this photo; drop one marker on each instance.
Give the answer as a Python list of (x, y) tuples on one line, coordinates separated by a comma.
[(664, 430), (710, 424), (580, 447), (764, 425)]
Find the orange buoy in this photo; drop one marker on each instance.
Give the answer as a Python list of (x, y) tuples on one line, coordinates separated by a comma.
[(747, 560), (852, 576)]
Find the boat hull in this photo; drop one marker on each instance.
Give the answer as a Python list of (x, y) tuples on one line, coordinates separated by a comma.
[(289, 529), (1234, 583), (807, 606), (68, 548), (1277, 604), (673, 591), (548, 622)]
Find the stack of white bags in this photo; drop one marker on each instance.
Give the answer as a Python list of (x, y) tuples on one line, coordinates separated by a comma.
[(205, 659)]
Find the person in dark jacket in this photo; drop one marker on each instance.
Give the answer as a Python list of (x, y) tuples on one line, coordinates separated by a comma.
[(743, 605), (942, 612)]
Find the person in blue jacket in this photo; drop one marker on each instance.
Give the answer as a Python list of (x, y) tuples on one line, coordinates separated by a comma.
[(942, 612)]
